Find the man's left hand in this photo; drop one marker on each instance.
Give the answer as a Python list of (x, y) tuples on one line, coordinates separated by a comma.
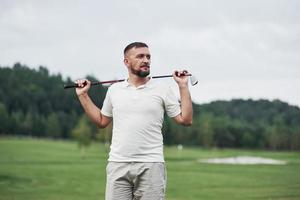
[(181, 78)]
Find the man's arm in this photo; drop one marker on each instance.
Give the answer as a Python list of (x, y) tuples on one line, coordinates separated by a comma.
[(186, 116), (91, 110)]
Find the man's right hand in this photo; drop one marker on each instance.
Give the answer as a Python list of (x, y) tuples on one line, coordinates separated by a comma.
[(83, 86)]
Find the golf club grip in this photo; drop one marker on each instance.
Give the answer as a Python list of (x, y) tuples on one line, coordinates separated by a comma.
[(75, 85), (166, 76), (70, 86)]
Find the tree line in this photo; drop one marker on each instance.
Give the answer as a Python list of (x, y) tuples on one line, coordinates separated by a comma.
[(34, 103)]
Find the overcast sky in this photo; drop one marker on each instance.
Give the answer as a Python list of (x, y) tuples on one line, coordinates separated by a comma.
[(237, 49)]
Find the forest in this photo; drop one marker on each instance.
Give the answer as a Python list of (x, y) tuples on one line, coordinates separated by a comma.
[(33, 103)]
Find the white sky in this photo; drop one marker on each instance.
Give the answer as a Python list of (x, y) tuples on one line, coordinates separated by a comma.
[(237, 49)]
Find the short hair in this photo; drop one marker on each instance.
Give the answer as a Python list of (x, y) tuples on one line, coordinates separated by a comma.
[(134, 45)]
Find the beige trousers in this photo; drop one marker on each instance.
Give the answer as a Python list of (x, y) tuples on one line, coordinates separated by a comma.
[(135, 180)]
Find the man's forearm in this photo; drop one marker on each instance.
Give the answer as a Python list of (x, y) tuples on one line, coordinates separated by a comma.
[(186, 105), (91, 110)]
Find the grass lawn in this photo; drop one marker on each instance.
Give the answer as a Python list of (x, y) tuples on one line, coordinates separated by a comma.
[(35, 169)]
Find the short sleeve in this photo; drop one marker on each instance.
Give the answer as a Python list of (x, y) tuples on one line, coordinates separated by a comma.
[(171, 102), (107, 105)]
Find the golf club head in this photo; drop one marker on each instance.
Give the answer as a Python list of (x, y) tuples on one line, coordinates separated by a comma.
[(193, 80)]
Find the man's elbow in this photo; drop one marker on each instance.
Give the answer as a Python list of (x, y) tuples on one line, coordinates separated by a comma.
[(187, 123), (100, 125)]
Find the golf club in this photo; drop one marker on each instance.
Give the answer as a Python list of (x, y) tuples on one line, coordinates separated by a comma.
[(193, 81)]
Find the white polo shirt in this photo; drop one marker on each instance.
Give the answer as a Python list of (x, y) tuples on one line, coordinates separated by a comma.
[(138, 114)]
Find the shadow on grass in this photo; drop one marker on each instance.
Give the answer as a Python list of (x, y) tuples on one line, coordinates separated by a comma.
[(14, 179), (54, 162), (179, 159)]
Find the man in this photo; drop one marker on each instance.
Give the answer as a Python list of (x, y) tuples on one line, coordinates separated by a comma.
[(136, 106)]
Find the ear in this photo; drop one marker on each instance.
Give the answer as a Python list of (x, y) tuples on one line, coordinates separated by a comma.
[(126, 61)]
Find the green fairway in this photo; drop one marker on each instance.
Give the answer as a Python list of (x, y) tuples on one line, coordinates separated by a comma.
[(34, 169)]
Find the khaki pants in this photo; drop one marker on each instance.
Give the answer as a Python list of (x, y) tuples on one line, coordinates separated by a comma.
[(135, 180)]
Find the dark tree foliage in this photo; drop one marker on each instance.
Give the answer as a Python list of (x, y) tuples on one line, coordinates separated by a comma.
[(36, 101), (33, 102), (240, 123)]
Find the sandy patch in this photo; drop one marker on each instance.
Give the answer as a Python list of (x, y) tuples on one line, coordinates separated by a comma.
[(243, 160)]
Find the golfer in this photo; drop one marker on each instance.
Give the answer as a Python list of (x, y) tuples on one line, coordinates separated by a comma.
[(136, 168)]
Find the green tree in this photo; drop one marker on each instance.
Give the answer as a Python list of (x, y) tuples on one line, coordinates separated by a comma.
[(104, 136), (83, 134), (27, 124), (4, 119), (206, 133), (295, 140), (17, 118), (53, 128)]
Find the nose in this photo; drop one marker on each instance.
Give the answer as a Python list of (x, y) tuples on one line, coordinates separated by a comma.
[(146, 59)]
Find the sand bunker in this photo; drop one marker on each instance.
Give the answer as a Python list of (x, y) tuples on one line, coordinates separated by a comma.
[(243, 160)]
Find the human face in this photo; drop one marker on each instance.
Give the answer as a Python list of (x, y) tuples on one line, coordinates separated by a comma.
[(138, 61)]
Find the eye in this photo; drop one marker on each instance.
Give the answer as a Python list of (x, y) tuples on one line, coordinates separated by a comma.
[(140, 56)]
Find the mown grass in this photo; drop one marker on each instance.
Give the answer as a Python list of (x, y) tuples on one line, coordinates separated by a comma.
[(35, 169)]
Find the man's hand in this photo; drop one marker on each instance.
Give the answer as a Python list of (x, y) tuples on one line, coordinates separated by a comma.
[(180, 78), (186, 116), (83, 86)]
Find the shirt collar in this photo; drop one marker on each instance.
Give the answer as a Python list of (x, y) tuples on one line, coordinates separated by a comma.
[(148, 84)]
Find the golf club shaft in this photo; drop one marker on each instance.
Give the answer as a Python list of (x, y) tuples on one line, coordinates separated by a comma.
[(94, 83), (115, 81)]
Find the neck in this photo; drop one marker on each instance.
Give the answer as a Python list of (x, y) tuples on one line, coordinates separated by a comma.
[(136, 80)]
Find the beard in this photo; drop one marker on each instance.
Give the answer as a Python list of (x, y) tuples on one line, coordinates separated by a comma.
[(140, 73)]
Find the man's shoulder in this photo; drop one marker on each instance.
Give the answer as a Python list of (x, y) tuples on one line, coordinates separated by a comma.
[(161, 85), (116, 86)]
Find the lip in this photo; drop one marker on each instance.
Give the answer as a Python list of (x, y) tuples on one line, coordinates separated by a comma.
[(145, 67)]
